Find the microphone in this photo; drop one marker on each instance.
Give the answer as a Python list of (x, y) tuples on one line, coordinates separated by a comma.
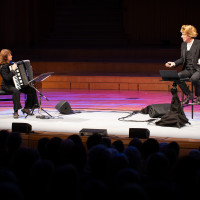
[(18, 63)]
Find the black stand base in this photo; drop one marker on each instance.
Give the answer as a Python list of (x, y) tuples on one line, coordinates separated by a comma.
[(44, 116)]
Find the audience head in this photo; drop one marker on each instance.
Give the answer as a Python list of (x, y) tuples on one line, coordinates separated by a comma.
[(157, 166), (175, 147), (42, 147), (65, 183), (118, 162), (14, 141), (136, 142), (93, 140), (53, 147), (106, 141), (149, 147), (99, 160), (134, 157), (119, 145), (127, 176), (130, 191), (10, 191), (4, 135), (95, 189), (75, 138)]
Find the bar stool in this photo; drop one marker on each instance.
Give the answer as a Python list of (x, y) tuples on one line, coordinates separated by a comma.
[(190, 104)]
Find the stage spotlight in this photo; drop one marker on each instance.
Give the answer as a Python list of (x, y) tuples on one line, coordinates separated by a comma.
[(141, 133), (21, 127), (88, 132)]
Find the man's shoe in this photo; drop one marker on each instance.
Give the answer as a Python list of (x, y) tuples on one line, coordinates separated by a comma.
[(16, 115), (188, 98), (197, 101)]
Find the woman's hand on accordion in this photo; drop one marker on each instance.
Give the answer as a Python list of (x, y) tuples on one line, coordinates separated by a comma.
[(14, 66), (32, 84)]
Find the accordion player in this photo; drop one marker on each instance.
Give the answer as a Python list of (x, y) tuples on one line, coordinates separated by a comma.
[(23, 74), (17, 82)]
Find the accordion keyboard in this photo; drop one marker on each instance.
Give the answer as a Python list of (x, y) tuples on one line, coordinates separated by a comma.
[(20, 79)]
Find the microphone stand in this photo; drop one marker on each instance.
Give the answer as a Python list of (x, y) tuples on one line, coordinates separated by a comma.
[(40, 107)]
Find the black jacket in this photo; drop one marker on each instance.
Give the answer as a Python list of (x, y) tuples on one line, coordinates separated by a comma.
[(7, 75), (195, 51)]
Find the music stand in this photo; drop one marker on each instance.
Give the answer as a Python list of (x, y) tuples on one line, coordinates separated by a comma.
[(41, 78), (171, 75)]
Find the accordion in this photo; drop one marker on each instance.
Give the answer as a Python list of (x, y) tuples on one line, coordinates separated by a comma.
[(24, 74)]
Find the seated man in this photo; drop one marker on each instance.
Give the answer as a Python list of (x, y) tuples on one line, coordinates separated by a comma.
[(190, 59)]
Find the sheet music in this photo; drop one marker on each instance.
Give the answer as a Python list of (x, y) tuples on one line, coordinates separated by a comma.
[(41, 77)]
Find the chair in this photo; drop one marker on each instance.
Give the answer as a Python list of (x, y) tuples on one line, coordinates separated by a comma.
[(2, 92)]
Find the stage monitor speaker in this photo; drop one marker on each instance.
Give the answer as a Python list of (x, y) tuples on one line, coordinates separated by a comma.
[(89, 132), (21, 127), (64, 107), (158, 110), (142, 133)]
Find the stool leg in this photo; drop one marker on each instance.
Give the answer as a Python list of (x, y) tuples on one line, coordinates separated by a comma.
[(182, 98), (192, 113)]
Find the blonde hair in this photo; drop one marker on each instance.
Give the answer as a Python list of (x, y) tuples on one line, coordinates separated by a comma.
[(189, 30), (4, 56)]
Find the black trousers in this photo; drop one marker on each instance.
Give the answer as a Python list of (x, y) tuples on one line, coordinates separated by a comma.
[(195, 78), (31, 96)]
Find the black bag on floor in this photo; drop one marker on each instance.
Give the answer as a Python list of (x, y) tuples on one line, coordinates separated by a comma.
[(156, 110), (176, 116)]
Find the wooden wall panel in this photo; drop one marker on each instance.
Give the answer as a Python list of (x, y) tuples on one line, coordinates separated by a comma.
[(105, 82), (153, 86), (104, 86), (84, 68), (123, 86), (75, 85), (133, 86), (53, 85)]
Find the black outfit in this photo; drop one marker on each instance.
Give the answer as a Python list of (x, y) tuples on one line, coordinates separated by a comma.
[(189, 60), (9, 87)]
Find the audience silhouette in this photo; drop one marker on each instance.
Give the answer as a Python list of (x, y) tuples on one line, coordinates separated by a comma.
[(99, 169)]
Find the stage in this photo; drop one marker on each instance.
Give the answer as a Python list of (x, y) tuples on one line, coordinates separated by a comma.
[(101, 109), (112, 110)]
